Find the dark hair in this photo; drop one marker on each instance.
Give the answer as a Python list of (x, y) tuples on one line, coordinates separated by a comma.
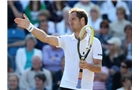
[(62, 4), (41, 76), (128, 63), (128, 26), (80, 13), (104, 23), (129, 77), (38, 4)]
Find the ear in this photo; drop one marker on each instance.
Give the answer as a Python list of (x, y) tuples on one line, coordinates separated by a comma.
[(83, 20)]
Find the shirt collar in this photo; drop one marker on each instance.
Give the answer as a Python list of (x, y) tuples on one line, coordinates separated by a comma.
[(73, 37), (41, 69)]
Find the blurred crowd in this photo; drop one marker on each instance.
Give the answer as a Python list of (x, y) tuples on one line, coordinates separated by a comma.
[(34, 65)]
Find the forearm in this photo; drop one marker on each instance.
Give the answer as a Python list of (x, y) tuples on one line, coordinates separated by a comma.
[(94, 67), (40, 34), (16, 12), (18, 43)]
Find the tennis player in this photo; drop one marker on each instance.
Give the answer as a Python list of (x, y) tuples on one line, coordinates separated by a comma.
[(78, 18)]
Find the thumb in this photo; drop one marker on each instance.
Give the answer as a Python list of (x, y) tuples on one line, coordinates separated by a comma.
[(25, 16)]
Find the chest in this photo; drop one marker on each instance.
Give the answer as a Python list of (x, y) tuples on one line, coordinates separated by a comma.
[(71, 50)]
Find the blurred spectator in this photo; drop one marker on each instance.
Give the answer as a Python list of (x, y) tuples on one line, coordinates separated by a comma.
[(71, 3), (44, 23), (85, 4), (63, 26), (32, 10), (113, 58), (109, 8), (58, 75), (94, 20), (14, 10), (125, 67), (13, 82), (117, 27), (27, 80), (126, 82), (40, 80), (10, 65), (114, 55), (26, 2), (103, 35), (129, 3), (127, 42), (52, 57), (24, 55), (100, 79), (55, 8)]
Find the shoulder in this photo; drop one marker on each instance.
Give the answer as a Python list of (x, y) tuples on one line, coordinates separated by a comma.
[(77, 4), (96, 40), (21, 50), (66, 36), (46, 71), (27, 71), (46, 46), (37, 50), (120, 88)]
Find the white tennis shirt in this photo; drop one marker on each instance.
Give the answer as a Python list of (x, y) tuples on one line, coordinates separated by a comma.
[(71, 71)]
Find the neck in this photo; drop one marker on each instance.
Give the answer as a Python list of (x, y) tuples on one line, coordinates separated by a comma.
[(127, 88), (76, 34), (13, 89), (120, 19), (39, 88), (112, 52), (94, 19), (37, 69), (29, 49)]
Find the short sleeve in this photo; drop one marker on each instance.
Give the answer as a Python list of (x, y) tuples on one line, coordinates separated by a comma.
[(61, 41), (97, 49)]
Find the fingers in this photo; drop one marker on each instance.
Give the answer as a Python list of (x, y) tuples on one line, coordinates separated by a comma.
[(83, 64), (25, 16), (17, 20)]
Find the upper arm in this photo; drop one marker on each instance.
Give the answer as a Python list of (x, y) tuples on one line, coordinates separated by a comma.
[(52, 40), (97, 62), (97, 50)]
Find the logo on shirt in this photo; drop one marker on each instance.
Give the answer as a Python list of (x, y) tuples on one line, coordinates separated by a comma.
[(100, 54)]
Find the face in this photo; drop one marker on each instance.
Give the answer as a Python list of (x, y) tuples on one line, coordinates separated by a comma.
[(84, 1), (39, 83), (30, 43), (75, 23), (13, 82), (35, 6), (120, 15), (36, 62), (94, 13), (111, 47), (44, 25), (123, 68), (104, 29), (128, 31), (127, 83)]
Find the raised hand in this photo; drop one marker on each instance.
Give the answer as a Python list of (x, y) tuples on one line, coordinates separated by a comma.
[(23, 23)]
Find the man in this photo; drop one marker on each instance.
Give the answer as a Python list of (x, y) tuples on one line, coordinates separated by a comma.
[(27, 80), (77, 19)]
